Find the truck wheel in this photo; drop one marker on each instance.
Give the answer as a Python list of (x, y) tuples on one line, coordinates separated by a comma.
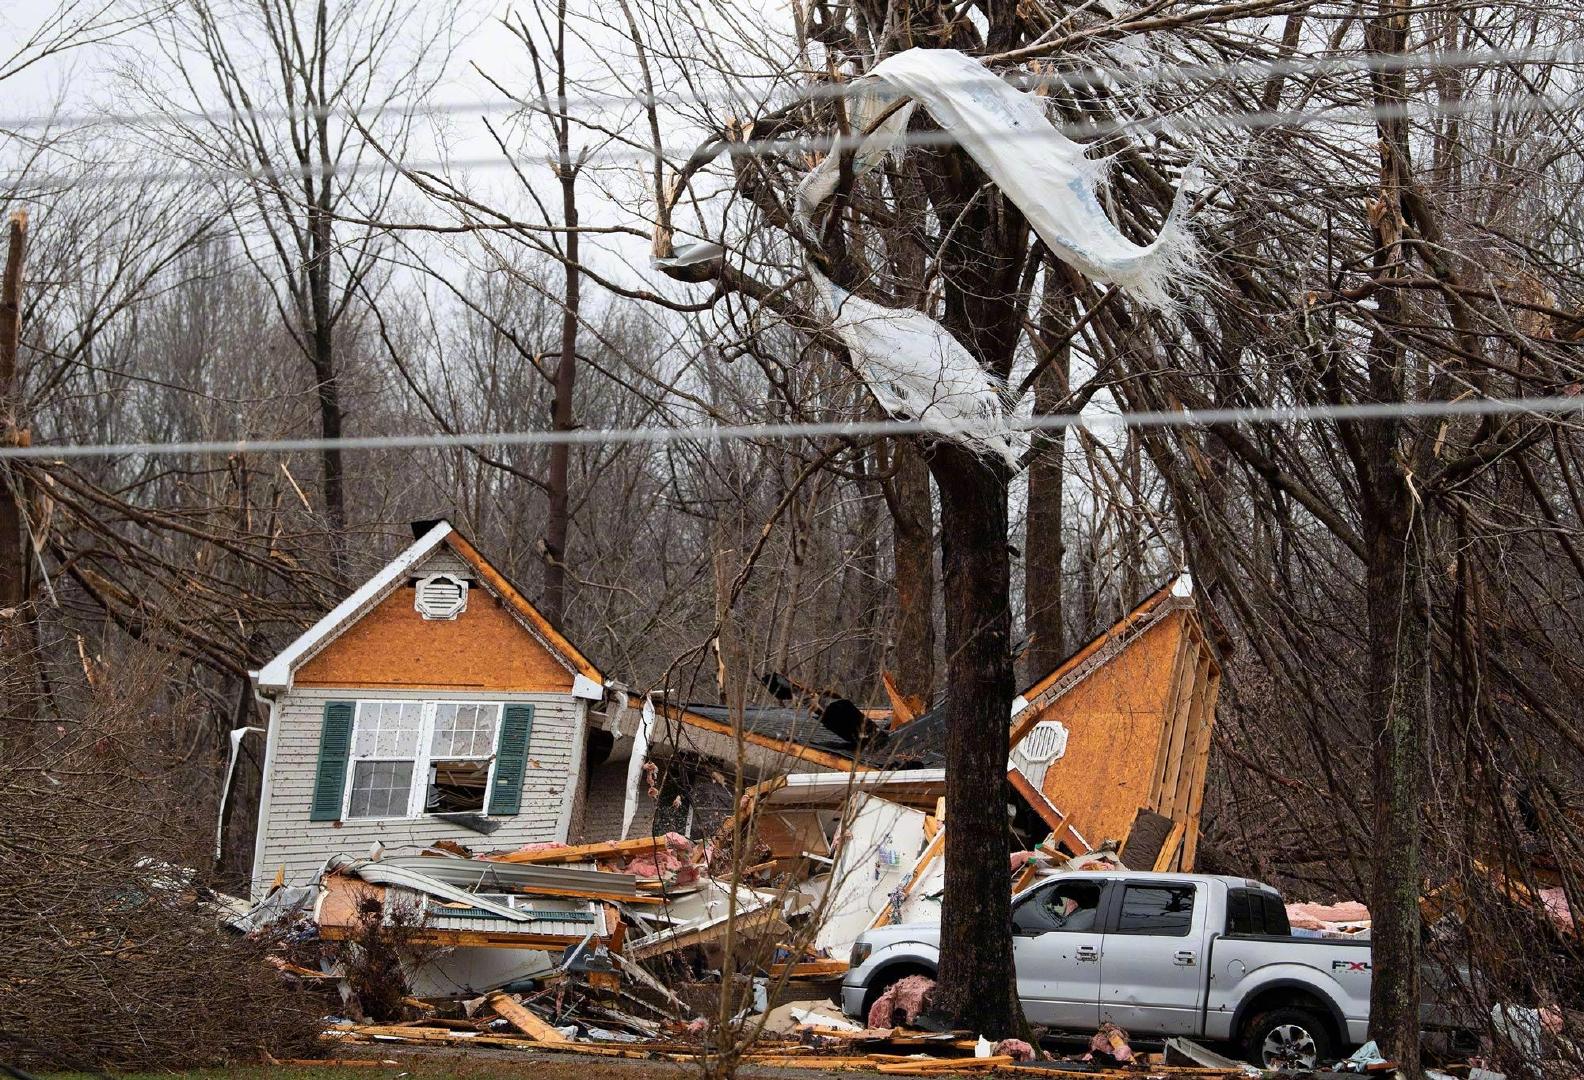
[(1287, 1038)]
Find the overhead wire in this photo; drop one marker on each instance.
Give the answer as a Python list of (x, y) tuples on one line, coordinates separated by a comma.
[(1157, 125), (1560, 405), (1090, 76), (1093, 76)]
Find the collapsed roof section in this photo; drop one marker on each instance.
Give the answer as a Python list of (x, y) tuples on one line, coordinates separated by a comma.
[(1116, 739)]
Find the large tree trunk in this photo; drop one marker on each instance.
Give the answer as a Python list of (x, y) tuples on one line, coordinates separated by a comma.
[(1396, 699), (913, 552), (557, 518), (321, 336), (1396, 691), (977, 986)]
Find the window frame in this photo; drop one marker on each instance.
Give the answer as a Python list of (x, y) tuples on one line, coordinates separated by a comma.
[(1104, 888), (1114, 923), (418, 787)]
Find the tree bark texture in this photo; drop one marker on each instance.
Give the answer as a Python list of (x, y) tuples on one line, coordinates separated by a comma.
[(557, 519), (913, 553), (1396, 695), (1396, 689), (976, 986), (13, 546), (321, 336)]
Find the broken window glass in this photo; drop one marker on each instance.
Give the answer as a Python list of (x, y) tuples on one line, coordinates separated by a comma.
[(457, 787), (447, 747), (380, 788)]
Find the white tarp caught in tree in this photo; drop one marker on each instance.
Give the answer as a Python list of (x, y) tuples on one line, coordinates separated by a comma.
[(885, 131), (1044, 173), (916, 370)]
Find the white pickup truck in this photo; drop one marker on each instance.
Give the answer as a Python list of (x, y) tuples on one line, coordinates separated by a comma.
[(1205, 956)]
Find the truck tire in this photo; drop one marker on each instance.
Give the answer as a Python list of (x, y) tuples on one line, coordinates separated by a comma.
[(1289, 1037)]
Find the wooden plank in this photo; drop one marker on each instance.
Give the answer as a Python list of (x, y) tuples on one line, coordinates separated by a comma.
[(1196, 744), (1196, 802), (904, 708), (524, 1020), (606, 849), (810, 969), (928, 1066), (1168, 850), (1176, 738), (1181, 684), (1036, 799)]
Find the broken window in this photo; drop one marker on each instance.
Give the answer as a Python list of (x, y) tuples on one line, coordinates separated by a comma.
[(413, 757), (460, 750), (1070, 906)]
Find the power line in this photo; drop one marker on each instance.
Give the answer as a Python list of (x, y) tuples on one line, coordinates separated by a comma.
[(18, 183), (1560, 406), (1091, 76)]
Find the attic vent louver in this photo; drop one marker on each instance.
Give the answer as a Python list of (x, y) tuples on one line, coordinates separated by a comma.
[(441, 596)]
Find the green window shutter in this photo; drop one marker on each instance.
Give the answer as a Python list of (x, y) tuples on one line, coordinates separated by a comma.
[(335, 742), (511, 758)]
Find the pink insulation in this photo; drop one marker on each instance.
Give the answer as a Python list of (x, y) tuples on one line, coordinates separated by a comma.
[(905, 996)]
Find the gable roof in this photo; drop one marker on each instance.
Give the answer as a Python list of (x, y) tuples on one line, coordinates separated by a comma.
[(277, 674)]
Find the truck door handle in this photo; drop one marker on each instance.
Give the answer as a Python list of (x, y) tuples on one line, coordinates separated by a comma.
[(1088, 952), (1185, 957)]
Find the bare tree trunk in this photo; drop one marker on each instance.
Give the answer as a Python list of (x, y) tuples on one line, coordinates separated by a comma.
[(1397, 637), (557, 481), (322, 333), (556, 523), (1043, 548), (1395, 693), (731, 652), (18, 630), (977, 986), (13, 548), (913, 553)]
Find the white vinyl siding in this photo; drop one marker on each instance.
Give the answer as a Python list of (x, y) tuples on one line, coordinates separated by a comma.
[(301, 847)]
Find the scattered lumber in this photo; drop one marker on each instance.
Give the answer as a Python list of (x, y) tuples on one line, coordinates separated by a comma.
[(930, 1066), (524, 1020)]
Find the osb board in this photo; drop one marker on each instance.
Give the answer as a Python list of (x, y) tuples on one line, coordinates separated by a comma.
[(789, 834), (484, 648), (543, 626), (1116, 718), (342, 899), (1077, 659)]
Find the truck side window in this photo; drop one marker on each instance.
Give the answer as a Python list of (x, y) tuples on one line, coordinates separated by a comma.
[(1068, 906), (1255, 911), (1161, 910)]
